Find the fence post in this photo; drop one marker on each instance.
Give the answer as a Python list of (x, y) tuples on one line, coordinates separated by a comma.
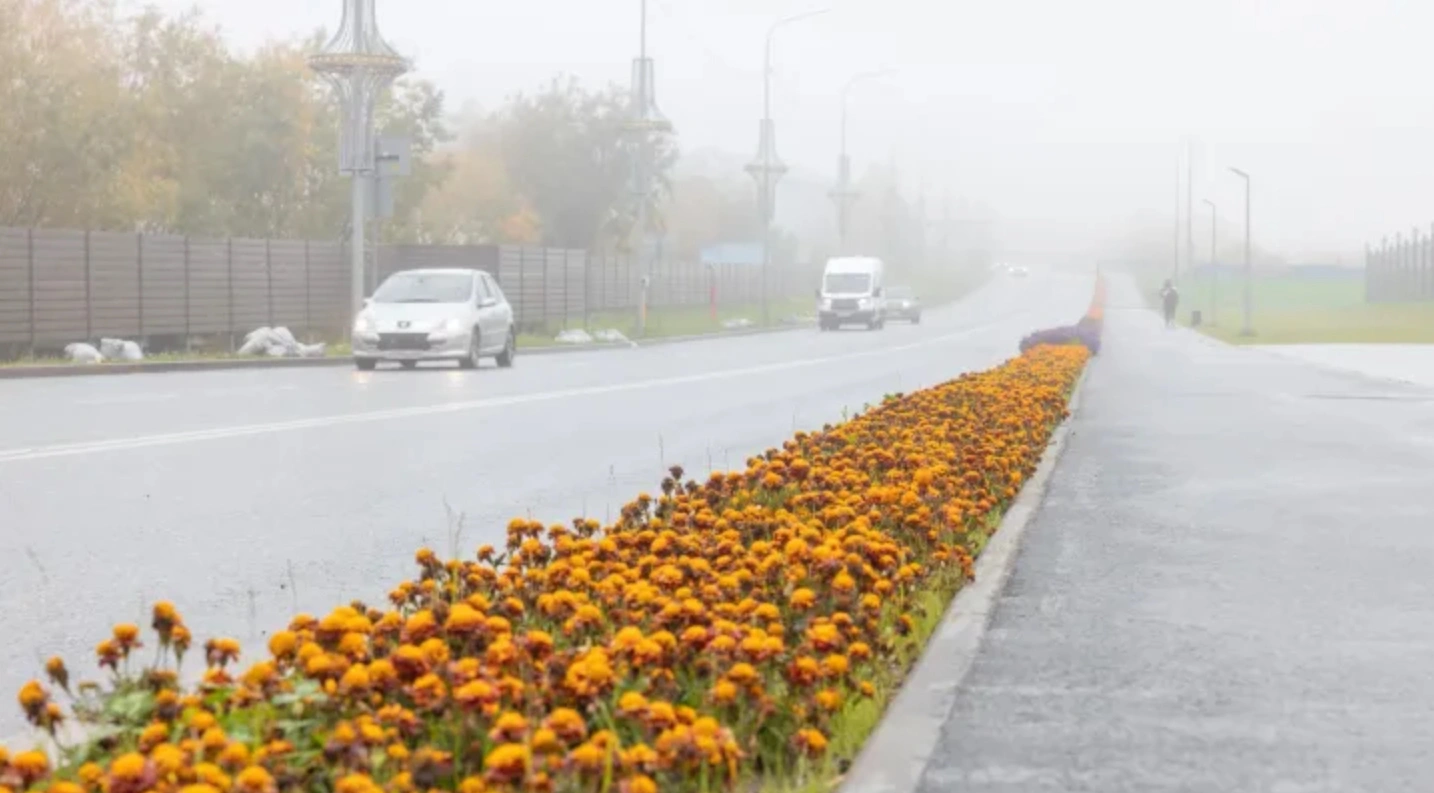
[(567, 307), (269, 280), (587, 286), (544, 249), (522, 285), (30, 265), (139, 262), (89, 302), (188, 331), (308, 296), (229, 269)]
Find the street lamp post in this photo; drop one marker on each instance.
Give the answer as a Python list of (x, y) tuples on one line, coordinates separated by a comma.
[(1248, 329), (1214, 266), (766, 168), (844, 194), (646, 123), (359, 64)]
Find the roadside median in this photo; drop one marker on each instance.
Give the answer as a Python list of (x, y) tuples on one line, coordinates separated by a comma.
[(741, 632)]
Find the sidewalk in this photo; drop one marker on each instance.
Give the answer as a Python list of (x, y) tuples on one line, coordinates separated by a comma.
[(1229, 587), (1410, 363)]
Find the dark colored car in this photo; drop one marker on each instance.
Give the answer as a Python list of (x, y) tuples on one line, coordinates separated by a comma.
[(902, 303)]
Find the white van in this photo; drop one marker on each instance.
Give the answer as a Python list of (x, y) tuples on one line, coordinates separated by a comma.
[(852, 293)]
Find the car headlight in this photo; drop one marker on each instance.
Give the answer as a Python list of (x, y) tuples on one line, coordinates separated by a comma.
[(364, 324), (451, 325)]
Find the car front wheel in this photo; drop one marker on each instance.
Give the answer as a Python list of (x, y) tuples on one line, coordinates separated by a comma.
[(510, 350), (471, 360)]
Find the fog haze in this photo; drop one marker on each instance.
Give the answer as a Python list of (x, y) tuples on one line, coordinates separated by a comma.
[(1064, 118)]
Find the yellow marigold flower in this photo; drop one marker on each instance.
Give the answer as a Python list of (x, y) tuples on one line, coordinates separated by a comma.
[(632, 704), (128, 767), (803, 599), (507, 763), (836, 665), (866, 688), (254, 779), (357, 783), (509, 728), (234, 756), (64, 786), (168, 758)]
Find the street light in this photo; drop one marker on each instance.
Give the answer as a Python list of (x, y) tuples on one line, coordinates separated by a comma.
[(1214, 267), (1248, 329), (844, 194), (359, 64), (766, 168)]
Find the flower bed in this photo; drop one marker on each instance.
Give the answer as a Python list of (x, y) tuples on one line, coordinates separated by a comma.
[(1086, 332), (747, 627)]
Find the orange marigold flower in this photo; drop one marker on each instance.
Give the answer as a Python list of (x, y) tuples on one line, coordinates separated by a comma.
[(30, 766), (724, 692), (57, 672), (803, 599), (810, 741), (255, 779)]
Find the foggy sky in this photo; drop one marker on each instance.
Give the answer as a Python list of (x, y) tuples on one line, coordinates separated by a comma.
[(1049, 111)]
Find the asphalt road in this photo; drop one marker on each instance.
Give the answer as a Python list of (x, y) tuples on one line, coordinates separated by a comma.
[(1227, 587), (247, 496)]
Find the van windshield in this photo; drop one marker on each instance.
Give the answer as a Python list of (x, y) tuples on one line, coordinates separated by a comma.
[(425, 288), (848, 283)]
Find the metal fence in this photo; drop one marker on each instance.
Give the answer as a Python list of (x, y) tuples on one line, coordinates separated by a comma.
[(61, 286), (1400, 270)]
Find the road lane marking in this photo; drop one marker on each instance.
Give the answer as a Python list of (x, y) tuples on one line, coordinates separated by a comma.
[(219, 433)]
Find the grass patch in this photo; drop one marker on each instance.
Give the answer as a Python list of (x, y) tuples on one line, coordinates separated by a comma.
[(1289, 310), (670, 321)]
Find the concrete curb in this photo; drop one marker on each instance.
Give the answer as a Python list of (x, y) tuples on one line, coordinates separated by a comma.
[(897, 752), (83, 370)]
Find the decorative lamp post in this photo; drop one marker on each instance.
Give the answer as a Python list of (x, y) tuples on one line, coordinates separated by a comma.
[(767, 168), (359, 64), (646, 124), (844, 195)]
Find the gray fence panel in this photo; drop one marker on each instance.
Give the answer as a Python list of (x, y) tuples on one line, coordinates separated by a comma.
[(251, 285), (210, 297), (61, 288), (114, 285), (163, 303), (14, 286), (289, 284)]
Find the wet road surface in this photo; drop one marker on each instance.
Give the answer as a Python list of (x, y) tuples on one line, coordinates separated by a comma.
[(247, 496), (1227, 587)]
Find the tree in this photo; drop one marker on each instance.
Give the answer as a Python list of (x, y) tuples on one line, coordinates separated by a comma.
[(568, 154)]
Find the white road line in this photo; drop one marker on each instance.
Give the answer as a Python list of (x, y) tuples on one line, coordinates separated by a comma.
[(241, 431)]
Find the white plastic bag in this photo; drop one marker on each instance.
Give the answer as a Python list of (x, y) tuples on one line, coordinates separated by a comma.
[(574, 336), (313, 350), (130, 351), (257, 342), (83, 353)]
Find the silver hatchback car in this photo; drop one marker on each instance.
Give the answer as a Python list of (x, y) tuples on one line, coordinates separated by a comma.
[(435, 315)]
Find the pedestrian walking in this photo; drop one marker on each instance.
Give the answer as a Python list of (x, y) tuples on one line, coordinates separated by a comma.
[(1170, 300)]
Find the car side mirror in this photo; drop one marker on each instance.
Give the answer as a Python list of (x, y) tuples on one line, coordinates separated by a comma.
[(876, 292), (819, 294), (488, 302)]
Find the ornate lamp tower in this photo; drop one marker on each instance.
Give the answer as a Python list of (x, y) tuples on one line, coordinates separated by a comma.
[(359, 64), (646, 125)]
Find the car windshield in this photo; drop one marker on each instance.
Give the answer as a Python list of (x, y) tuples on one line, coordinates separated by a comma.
[(425, 288), (848, 283), (900, 292)]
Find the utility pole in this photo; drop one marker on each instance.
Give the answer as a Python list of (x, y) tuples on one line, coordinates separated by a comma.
[(1248, 329), (1189, 203), (1214, 265)]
